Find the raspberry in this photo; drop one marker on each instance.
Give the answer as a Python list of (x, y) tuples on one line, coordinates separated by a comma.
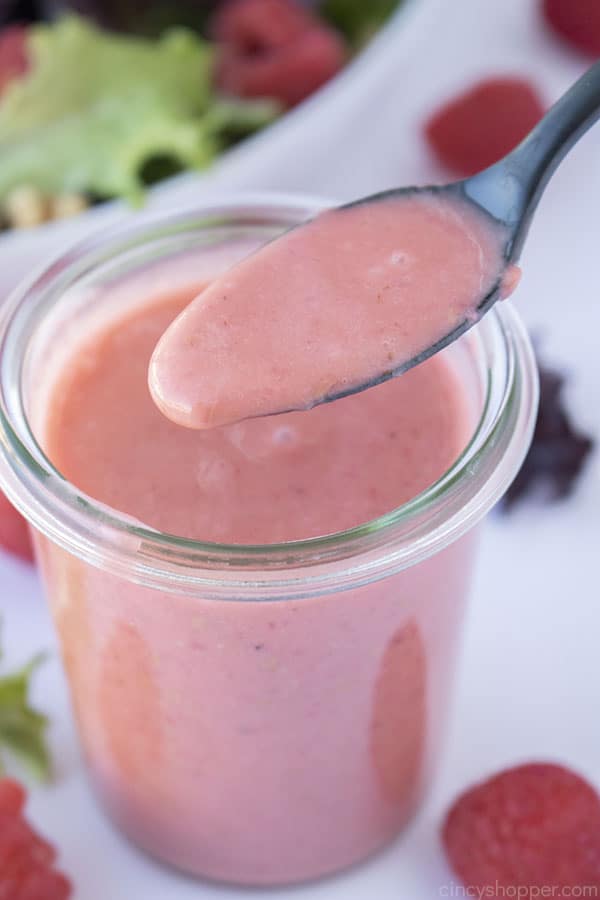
[(13, 54), (289, 75), (12, 797), (577, 21), (26, 860), (273, 48), (14, 532), (261, 24), (529, 827), (479, 127)]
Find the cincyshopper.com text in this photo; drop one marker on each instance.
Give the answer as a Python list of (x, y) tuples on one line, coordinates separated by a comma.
[(519, 892)]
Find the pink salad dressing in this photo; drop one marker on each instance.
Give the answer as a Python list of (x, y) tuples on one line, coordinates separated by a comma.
[(327, 307), (252, 741), (256, 742), (264, 480)]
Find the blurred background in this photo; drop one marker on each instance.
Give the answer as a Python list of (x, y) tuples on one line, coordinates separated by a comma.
[(112, 108)]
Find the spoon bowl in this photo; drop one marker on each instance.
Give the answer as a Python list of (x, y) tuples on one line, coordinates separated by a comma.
[(363, 292), (509, 192)]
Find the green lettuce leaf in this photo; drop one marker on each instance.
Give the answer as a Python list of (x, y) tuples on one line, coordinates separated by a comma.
[(356, 19), (230, 120), (95, 107), (22, 728)]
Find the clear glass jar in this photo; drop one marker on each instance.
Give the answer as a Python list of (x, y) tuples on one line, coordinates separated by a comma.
[(254, 714)]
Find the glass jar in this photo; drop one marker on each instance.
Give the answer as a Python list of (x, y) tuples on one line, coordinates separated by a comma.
[(253, 714)]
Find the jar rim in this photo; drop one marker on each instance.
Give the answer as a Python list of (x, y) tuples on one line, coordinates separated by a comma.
[(113, 541)]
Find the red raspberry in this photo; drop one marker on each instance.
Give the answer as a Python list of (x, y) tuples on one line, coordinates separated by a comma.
[(529, 827), (14, 533), (255, 25), (273, 48), (26, 860), (479, 127), (577, 21), (13, 54), (12, 797), (289, 75)]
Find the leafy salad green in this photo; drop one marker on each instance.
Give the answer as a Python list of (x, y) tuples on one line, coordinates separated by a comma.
[(95, 108), (358, 20), (22, 728)]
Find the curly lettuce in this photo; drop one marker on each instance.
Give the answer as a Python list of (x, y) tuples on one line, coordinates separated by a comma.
[(94, 108)]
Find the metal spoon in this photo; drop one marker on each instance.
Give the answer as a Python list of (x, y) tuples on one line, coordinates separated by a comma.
[(509, 191)]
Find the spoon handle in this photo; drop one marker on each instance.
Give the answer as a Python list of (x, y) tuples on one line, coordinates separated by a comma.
[(510, 190)]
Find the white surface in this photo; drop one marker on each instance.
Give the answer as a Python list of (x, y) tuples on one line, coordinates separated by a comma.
[(529, 683)]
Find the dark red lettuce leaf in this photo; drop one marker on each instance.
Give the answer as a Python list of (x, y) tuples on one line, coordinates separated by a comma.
[(559, 449)]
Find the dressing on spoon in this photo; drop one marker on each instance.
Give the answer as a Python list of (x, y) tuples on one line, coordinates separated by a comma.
[(343, 301), (364, 292)]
